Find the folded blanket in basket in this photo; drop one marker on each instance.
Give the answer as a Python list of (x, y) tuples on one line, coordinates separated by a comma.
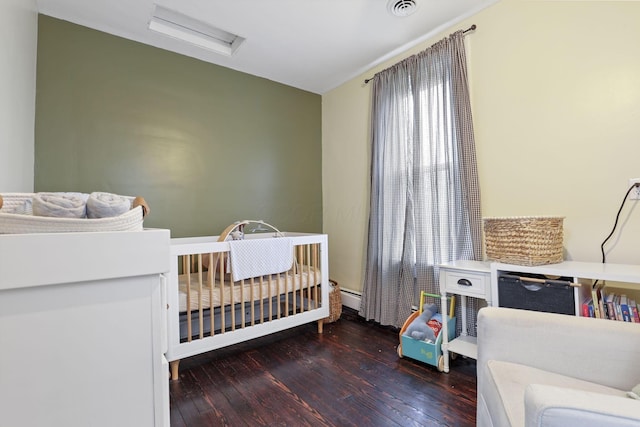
[(60, 205), (259, 257), (107, 205)]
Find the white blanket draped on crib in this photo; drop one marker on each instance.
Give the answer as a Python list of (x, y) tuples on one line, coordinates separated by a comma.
[(259, 257)]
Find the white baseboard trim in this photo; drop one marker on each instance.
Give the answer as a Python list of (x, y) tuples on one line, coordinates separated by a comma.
[(350, 300)]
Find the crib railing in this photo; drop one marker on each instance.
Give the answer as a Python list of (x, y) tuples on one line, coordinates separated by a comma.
[(208, 310), (208, 278)]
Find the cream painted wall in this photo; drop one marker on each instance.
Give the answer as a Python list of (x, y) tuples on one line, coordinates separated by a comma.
[(556, 103), (18, 43)]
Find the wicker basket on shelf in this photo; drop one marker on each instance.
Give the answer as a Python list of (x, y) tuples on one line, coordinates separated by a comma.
[(335, 302), (524, 240)]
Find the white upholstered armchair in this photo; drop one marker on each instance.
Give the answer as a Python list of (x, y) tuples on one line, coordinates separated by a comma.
[(542, 369)]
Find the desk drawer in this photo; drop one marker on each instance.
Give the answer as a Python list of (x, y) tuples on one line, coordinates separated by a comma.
[(466, 283)]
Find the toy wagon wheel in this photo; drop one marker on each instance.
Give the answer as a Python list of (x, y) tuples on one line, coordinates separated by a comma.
[(441, 363), (400, 350)]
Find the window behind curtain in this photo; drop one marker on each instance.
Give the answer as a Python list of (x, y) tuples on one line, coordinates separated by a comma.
[(424, 192)]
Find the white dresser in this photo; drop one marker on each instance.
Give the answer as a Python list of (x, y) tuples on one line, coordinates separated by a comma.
[(82, 329)]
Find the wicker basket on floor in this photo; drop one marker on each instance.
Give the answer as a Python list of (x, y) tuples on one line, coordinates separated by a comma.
[(335, 302), (524, 240)]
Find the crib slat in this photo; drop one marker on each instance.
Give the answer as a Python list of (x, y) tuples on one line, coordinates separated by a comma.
[(309, 281), (188, 271), (222, 285), (199, 271), (306, 283), (286, 295), (318, 275), (300, 283), (308, 276), (260, 295), (314, 256), (263, 294), (279, 293), (300, 286), (242, 311), (243, 295), (254, 295), (307, 269), (232, 303), (270, 283), (212, 280), (292, 309)]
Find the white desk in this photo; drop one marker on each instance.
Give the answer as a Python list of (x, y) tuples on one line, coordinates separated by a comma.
[(479, 279), (465, 279)]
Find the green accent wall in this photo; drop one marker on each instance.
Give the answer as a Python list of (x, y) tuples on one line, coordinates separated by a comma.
[(203, 144)]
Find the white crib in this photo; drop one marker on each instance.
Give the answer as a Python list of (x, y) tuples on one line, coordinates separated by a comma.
[(207, 310)]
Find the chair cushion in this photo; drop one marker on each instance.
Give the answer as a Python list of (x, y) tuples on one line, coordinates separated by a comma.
[(511, 379), (550, 406)]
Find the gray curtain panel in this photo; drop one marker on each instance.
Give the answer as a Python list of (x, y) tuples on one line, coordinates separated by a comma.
[(425, 197)]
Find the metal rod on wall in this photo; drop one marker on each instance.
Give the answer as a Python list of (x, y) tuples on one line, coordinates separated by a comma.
[(471, 28)]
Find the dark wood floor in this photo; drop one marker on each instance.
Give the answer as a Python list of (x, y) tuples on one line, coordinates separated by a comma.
[(349, 376)]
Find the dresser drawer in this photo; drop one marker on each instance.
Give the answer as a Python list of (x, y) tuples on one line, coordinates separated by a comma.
[(465, 283)]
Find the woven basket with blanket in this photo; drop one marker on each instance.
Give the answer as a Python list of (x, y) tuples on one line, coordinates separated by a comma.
[(70, 212)]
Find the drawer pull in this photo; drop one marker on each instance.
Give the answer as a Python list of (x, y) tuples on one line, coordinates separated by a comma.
[(464, 282)]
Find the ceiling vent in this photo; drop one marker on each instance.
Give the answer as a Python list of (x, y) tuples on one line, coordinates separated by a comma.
[(182, 27), (402, 7)]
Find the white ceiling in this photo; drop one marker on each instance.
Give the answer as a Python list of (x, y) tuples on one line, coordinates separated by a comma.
[(314, 45)]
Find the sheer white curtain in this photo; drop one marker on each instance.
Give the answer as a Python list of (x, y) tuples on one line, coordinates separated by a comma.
[(425, 198)]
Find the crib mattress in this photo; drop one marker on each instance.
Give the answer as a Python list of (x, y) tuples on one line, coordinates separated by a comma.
[(205, 296)]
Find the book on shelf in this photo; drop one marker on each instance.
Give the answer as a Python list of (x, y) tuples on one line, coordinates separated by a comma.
[(602, 304), (611, 306), (618, 302), (587, 307), (596, 296), (635, 316), (624, 308)]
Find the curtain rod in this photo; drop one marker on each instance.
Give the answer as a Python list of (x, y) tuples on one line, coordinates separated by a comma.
[(471, 28)]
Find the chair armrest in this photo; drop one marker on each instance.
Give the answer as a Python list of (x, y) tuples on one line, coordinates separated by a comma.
[(549, 406), (597, 350)]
